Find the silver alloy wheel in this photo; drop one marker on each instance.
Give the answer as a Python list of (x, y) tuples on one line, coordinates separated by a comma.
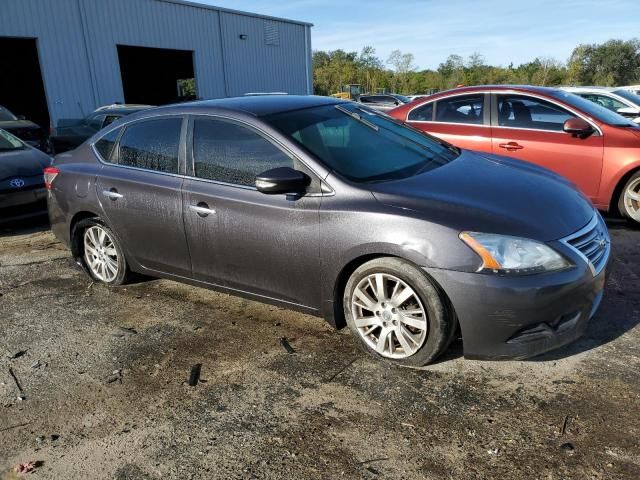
[(632, 200), (100, 254), (389, 315)]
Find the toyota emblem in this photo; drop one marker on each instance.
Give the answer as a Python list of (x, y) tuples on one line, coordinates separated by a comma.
[(16, 183)]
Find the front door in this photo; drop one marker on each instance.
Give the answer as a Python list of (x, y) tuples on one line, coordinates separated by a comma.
[(139, 188), (238, 237), (531, 129), (462, 120)]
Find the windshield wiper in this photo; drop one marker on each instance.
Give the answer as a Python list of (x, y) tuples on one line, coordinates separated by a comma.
[(358, 117)]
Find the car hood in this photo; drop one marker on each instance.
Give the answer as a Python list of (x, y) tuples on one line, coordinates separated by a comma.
[(25, 162), (493, 194)]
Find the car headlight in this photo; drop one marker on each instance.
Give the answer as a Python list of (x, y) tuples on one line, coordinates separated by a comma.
[(513, 255)]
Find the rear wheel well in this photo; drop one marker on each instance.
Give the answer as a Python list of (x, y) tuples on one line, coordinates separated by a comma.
[(76, 241), (613, 205)]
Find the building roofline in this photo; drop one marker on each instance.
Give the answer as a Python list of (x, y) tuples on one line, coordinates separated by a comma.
[(188, 3)]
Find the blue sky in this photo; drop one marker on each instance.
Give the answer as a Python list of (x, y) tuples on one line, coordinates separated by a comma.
[(503, 31)]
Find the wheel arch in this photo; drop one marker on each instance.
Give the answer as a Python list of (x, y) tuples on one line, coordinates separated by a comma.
[(75, 240), (615, 197), (346, 272)]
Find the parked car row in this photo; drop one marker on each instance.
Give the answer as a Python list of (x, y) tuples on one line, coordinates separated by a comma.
[(595, 148), (68, 133), (618, 100), (329, 207)]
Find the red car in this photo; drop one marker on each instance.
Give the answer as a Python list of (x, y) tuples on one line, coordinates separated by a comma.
[(595, 148)]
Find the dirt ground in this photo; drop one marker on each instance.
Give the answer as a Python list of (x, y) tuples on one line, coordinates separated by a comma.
[(104, 377)]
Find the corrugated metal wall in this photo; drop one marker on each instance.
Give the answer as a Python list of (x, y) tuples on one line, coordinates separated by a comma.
[(77, 45)]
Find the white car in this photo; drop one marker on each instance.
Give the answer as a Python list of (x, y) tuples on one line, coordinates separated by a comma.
[(617, 99), (632, 88)]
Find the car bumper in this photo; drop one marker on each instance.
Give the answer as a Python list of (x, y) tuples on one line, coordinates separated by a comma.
[(505, 317), (22, 204)]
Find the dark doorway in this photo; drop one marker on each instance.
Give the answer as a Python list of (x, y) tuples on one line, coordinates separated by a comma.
[(156, 76), (21, 86)]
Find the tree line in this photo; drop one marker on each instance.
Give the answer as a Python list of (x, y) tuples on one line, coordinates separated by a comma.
[(612, 63)]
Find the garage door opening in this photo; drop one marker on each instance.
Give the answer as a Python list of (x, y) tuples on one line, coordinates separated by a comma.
[(156, 76), (21, 86)]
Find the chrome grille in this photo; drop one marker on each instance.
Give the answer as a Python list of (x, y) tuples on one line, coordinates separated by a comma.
[(592, 243)]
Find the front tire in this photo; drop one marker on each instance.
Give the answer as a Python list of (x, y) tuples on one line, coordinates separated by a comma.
[(397, 313), (629, 201), (101, 253)]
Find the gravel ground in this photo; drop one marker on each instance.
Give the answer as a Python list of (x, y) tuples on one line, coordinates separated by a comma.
[(104, 377)]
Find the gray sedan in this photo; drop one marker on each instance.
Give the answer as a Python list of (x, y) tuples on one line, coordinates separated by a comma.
[(328, 207), (22, 191)]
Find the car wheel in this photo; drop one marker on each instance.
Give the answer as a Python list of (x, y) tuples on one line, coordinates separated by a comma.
[(101, 254), (397, 313), (629, 201)]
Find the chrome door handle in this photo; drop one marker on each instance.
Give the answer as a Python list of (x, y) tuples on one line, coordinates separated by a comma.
[(202, 209), (113, 195)]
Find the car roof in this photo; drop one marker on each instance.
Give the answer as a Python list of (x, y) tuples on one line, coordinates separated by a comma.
[(590, 89), (258, 105)]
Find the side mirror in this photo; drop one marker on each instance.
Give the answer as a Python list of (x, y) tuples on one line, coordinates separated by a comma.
[(578, 127), (282, 180), (21, 117), (629, 112)]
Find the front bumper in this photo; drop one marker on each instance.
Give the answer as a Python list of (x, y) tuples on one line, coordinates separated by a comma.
[(515, 317), (23, 203)]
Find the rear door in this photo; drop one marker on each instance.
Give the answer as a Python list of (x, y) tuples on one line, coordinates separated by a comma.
[(238, 237), (462, 120), (139, 188), (530, 128)]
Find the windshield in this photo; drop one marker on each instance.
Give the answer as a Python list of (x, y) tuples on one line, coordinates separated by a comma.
[(9, 142), (363, 145), (626, 94), (402, 98), (592, 109), (6, 115)]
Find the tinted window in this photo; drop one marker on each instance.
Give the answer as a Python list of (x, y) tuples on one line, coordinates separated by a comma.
[(105, 145), (461, 109), (362, 145), (518, 111), (604, 101), (152, 144), (6, 115), (9, 142), (110, 119), (423, 113), (231, 153), (95, 123)]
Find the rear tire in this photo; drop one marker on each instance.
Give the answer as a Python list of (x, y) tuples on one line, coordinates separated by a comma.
[(629, 200), (101, 254), (397, 313)]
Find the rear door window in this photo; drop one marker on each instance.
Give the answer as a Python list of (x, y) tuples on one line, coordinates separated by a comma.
[(465, 109), (152, 145)]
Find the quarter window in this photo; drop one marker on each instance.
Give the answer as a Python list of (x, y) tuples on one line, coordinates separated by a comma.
[(105, 145), (231, 153), (461, 109), (423, 113), (518, 111), (152, 144)]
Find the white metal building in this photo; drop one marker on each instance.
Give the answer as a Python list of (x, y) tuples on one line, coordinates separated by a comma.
[(64, 58)]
